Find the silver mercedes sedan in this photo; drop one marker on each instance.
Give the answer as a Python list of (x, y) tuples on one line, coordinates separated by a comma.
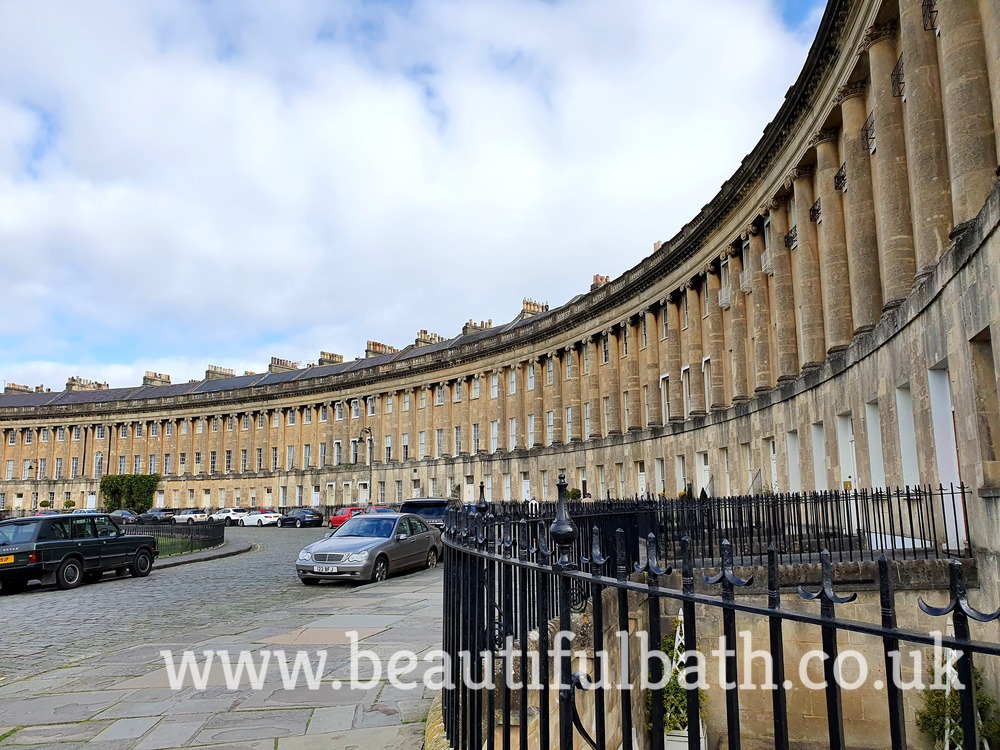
[(371, 547)]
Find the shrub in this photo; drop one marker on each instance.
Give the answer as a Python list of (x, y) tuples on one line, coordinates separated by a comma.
[(941, 708), (675, 695)]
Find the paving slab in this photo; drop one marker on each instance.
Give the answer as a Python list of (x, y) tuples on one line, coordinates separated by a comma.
[(402, 737)]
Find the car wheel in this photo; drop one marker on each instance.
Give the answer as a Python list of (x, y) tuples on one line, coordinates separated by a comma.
[(331, 524), (190, 522), (381, 570), (260, 523), (298, 523), (228, 522), (432, 558), (241, 522), (70, 574), (141, 565), (309, 581), (279, 524)]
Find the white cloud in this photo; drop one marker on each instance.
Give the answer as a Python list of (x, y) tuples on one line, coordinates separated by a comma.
[(216, 183)]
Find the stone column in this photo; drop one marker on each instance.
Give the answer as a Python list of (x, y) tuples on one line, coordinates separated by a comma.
[(836, 279), (556, 400), (694, 349), (786, 344), (989, 12), (614, 389), (811, 304), (575, 396), (653, 369), (862, 236), (927, 153), (631, 359), (674, 392), (895, 226), (716, 340), (763, 380), (594, 385), (972, 149), (538, 403), (738, 329)]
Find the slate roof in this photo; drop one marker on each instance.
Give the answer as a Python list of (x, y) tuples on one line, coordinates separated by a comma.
[(58, 398)]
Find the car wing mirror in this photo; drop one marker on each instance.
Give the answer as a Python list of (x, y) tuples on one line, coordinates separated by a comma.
[(402, 537), (327, 535)]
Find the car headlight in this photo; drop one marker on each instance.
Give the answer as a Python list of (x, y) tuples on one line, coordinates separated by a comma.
[(358, 556), (305, 556)]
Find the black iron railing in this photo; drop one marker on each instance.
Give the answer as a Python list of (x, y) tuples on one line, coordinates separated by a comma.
[(792, 238), (816, 211), (868, 133), (898, 79), (176, 539), (930, 13), (517, 573), (840, 179)]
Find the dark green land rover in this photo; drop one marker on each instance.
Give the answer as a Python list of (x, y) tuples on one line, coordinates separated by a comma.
[(68, 550)]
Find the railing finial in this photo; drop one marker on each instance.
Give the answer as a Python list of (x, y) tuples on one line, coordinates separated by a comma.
[(481, 505), (562, 530)]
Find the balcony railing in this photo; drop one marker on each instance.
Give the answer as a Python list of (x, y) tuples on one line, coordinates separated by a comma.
[(840, 179), (930, 15), (868, 133), (766, 263), (898, 82), (724, 296), (792, 238), (745, 281), (816, 211)]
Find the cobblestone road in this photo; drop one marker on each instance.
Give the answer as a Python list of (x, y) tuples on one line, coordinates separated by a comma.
[(46, 628), (82, 668)]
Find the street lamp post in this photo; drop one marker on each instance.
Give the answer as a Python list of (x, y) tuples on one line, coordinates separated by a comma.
[(368, 436)]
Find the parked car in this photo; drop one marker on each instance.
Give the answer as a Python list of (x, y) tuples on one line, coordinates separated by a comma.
[(46, 512), (379, 509), (370, 547), (69, 550), (344, 514), (190, 516), (81, 510), (299, 517), (431, 509), (261, 517), (230, 516), (156, 515), (123, 517)]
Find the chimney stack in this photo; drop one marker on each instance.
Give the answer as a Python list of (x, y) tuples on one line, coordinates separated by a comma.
[(214, 372), (329, 358), (82, 384), (155, 378), (599, 281), (530, 308), (282, 365), (472, 326), (375, 348)]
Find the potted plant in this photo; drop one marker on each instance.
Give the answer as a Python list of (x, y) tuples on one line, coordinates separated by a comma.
[(675, 695)]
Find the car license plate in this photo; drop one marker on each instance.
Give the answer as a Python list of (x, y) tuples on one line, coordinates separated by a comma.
[(6, 559), (324, 568)]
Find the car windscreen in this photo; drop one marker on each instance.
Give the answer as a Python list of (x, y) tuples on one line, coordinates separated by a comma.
[(367, 526), (18, 532), (426, 511)]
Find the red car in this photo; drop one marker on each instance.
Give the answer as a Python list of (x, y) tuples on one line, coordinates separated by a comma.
[(341, 516)]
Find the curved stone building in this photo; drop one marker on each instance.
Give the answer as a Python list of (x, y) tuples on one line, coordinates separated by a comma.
[(827, 318)]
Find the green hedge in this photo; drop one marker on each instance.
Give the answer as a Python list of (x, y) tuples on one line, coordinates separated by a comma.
[(130, 491)]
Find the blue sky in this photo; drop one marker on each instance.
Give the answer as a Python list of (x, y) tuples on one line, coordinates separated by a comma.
[(194, 183)]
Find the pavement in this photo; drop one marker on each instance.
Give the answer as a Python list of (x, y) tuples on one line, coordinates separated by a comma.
[(82, 669)]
